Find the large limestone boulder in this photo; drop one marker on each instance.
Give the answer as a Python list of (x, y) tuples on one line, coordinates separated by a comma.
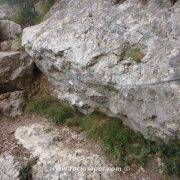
[(120, 58)]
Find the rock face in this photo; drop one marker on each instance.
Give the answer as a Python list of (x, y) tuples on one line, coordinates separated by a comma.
[(53, 156), (16, 72), (118, 58), (12, 103), (16, 67), (9, 29)]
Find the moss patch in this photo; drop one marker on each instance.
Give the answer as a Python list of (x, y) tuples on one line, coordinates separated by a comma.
[(135, 54)]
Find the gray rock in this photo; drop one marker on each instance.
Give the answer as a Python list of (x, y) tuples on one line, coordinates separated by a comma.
[(9, 29), (16, 71), (115, 58), (9, 168), (11, 45), (7, 11), (52, 156), (12, 103), (5, 45)]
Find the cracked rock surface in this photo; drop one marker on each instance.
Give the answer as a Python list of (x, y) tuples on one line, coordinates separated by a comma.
[(52, 155)]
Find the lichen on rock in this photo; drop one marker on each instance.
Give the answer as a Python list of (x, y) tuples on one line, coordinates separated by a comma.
[(80, 47)]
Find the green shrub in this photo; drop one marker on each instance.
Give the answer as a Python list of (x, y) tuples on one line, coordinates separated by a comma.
[(26, 16), (27, 13), (29, 16), (25, 172), (170, 154), (50, 3), (39, 105)]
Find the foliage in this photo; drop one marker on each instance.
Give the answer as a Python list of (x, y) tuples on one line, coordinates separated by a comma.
[(27, 13), (49, 3), (125, 147), (122, 145), (51, 108), (25, 16), (119, 142), (171, 156), (25, 172), (42, 7), (73, 122)]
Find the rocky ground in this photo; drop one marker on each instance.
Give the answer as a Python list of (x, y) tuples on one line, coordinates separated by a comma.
[(32, 147), (32, 137)]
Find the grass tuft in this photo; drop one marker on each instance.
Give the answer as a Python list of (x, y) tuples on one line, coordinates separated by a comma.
[(30, 15), (25, 172), (51, 108)]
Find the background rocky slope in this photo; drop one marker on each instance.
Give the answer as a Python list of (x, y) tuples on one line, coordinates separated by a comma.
[(111, 57), (16, 66)]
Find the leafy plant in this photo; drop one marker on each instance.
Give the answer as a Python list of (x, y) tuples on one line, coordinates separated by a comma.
[(59, 113), (25, 172)]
